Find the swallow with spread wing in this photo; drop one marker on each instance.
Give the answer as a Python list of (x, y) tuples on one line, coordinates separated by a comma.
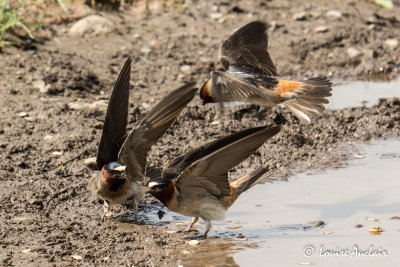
[(196, 184), (121, 156), (248, 77)]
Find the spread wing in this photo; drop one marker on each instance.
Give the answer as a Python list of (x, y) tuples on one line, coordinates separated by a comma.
[(153, 172), (210, 173), (229, 88), (134, 151), (248, 46), (114, 127), (179, 164)]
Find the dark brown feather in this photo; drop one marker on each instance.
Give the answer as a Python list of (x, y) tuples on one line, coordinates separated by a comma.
[(210, 173), (248, 46), (179, 164), (227, 87), (139, 141), (114, 127)]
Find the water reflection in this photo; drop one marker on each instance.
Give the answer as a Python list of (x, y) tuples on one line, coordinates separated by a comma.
[(329, 210), (357, 93)]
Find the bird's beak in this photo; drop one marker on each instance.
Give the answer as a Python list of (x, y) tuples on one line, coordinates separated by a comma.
[(150, 191), (150, 188), (120, 168)]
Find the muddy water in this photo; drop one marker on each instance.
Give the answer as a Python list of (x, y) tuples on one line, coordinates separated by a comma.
[(281, 216), (357, 93), (276, 222)]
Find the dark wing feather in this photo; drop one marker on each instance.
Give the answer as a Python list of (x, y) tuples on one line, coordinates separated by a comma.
[(248, 45), (114, 127), (153, 172), (179, 164), (134, 151), (210, 173), (227, 87)]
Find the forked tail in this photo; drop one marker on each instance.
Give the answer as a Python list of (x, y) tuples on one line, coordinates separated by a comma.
[(312, 95)]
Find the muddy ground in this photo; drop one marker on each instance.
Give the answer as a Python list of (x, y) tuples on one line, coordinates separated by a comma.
[(48, 217)]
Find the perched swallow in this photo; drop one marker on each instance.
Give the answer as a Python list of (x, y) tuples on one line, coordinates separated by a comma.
[(121, 157), (196, 184), (247, 77)]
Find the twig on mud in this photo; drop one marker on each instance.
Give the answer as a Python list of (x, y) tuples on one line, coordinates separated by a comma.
[(68, 161)]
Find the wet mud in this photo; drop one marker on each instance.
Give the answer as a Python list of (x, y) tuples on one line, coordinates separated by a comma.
[(54, 97)]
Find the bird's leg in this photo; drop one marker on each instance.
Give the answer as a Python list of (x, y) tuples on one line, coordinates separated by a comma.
[(208, 227), (136, 209), (106, 205), (195, 219)]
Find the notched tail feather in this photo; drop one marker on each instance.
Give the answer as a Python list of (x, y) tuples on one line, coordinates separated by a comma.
[(246, 182), (312, 95)]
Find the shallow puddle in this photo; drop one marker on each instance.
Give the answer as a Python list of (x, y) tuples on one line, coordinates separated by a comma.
[(349, 201), (279, 223), (357, 93)]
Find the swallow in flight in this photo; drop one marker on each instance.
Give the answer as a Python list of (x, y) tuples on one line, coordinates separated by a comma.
[(248, 76)]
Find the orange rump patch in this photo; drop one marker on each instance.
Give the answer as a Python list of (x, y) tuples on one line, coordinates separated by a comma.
[(205, 93), (285, 87), (228, 201)]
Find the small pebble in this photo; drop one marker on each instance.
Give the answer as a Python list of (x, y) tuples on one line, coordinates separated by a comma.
[(327, 233), (234, 227), (321, 29), (216, 16), (145, 50), (41, 86), (353, 52), (91, 163), (374, 229), (92, 25), (187, 69), (392, 43), (98, 125), (193, 242), (76, 257), (335, 14), (300, 16)]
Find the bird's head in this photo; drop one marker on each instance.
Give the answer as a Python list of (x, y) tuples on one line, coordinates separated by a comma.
[(114, 174), (162, 189), (205, 93)]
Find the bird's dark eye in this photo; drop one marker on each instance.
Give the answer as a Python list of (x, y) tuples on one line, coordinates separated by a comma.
[(116, 173)]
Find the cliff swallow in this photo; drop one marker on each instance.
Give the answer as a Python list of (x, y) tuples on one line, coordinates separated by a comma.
[(196, 184), (247, 77), (121, 157)]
